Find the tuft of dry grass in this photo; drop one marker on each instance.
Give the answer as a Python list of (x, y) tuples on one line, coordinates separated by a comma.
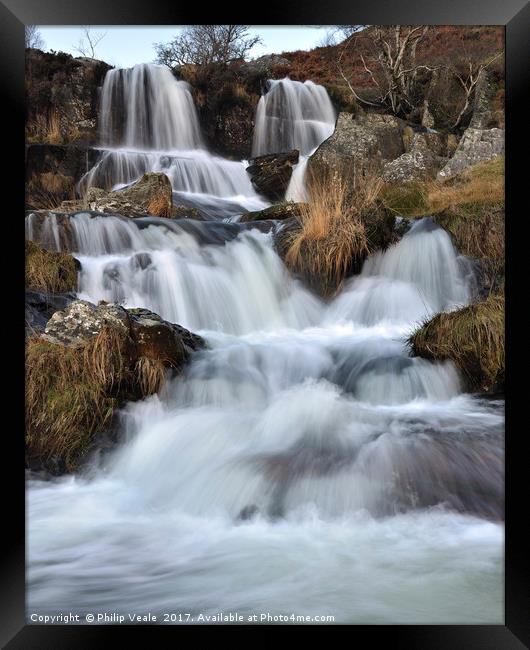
[(45, 127), (150, 374), (49, 271), (159, 206), (72, 392), (472, 337), (332, 240)]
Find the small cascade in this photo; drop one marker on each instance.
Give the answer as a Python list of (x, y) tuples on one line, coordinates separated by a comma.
[(292, 115), (145, 107)]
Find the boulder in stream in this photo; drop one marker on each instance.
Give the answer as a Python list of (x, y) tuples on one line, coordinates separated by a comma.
[(270, 174), (89, 361)]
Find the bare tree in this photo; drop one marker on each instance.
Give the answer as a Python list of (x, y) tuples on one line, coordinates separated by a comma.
[(87, 45), (468, 72), (33, 37), (388, 59), (206, 45)]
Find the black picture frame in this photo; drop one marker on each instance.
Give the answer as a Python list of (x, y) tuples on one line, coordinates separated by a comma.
[(515, 16)]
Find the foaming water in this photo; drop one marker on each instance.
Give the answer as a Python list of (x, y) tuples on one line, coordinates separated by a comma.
[(304, 436)]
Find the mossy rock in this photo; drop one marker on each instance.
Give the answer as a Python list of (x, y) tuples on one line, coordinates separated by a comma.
[(472, 338)]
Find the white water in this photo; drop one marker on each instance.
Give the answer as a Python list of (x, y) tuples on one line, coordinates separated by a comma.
[(149, 124), (376, 482), (293, 115)]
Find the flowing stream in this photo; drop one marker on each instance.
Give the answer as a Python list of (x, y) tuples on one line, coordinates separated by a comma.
[(304, 463)]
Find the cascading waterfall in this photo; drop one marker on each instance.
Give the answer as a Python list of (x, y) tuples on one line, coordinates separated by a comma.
[(149, 124), (303, 464), (304, 435), (293, 115)]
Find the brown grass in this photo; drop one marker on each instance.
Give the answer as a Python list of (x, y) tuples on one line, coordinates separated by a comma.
[(332, 240), (159, 206), (49, 271), (72, 392), (477, 185), (45, 127), (472, 337)]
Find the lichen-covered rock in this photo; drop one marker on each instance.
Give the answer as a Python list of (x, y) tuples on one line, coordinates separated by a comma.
[(40, 307), (82, 320), (277, 212), (476, 145), (151, 195), (482, 117), (270, 174), (363, 142), (421, 162)]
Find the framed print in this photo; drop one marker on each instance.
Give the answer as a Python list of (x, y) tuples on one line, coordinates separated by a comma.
[(267, 294)]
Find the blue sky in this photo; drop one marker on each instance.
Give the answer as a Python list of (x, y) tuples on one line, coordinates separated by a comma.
[(124, 46)]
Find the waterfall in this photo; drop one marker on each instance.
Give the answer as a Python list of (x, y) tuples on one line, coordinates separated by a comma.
[(304, 435), (292, 115), (149, 124), (145, 107)]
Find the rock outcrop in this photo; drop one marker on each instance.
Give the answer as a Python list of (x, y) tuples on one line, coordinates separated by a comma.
[(363, 143), (476, 145), (270, 175), (89, 361), (421, 161), (62, 97), (152, 336)]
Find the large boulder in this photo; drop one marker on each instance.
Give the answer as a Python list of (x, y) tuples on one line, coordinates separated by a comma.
[(152, 195), (364, 143), (421, 161), (476, 145), (149, 334), (270, 174), (90, 360)]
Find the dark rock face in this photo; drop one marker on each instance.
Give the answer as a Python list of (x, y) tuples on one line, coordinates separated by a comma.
[(53, 171), (271, 174), (278, 212), (62, 96), (41, 306)]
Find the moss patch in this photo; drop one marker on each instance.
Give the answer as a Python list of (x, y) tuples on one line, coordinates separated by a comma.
[(472, 337), (48, 271)]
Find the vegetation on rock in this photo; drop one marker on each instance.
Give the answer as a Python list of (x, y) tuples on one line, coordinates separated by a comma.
[(472, 337), (89, 361), (48, 271), (332, 240)]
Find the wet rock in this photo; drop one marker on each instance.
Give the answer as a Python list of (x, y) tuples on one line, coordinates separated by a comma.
[(40, 307), (270, 175), (248, 512), (278, 212)]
